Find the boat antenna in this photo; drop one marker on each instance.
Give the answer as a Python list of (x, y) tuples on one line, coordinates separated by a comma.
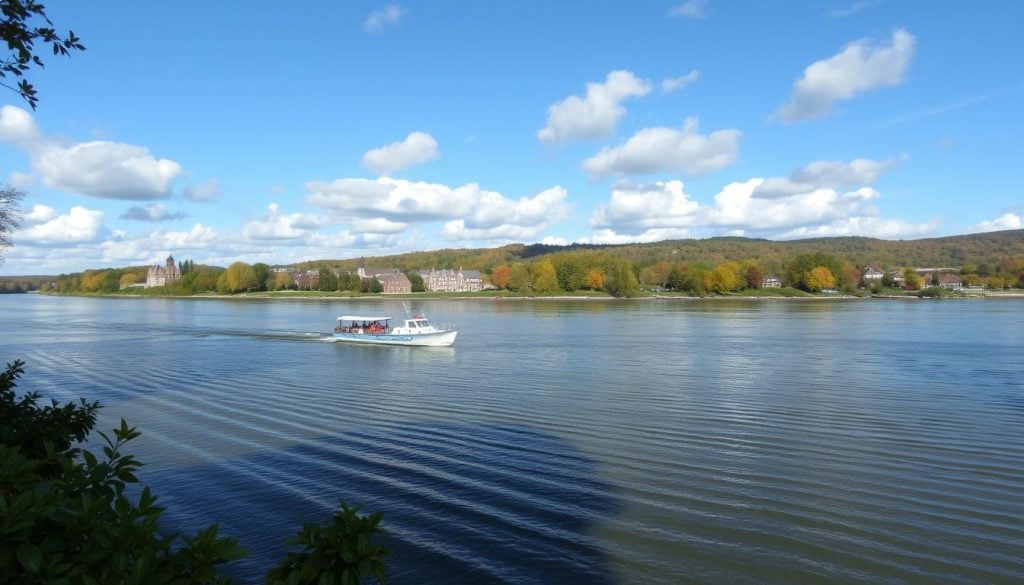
[(408, 311)]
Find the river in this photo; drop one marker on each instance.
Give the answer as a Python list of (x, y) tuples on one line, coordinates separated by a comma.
[(598, 442)]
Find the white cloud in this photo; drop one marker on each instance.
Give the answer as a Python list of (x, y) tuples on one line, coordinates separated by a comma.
[(861, 66), (498, 218), (378, 19), (79, 225), (103, 169), (634, 209), (851, 9), (203, 192), (40, 214), (17, 126), (155, 212), (654, 150), (689, 9), (825, 174), (1007, 221), (672, 84), (394, 199), (663, 210), (597, 113), (418, 147), (872, 227), (107, 170), (386, 206), (19, 180), (377, 225), (276, 225)]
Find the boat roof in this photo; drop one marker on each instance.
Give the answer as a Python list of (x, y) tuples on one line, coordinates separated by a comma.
[(362, 318)]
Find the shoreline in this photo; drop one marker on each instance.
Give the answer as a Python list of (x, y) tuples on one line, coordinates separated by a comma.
[(517, 298)]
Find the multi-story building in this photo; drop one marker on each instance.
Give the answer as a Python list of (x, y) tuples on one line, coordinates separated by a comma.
[(161, 275), (448, 280)]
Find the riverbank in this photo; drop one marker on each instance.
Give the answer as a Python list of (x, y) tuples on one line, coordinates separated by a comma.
[(319, 296)]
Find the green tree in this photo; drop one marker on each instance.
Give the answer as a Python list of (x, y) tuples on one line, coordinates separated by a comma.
[(263, 276), (23, 23), (327, 281), (519, 278), (416, 281), (570, 271), (620, 281), (343, 550), (912, 280), (545, 279), (799, 268)]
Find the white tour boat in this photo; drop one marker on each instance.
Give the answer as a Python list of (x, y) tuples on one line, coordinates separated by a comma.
[(416, 330)]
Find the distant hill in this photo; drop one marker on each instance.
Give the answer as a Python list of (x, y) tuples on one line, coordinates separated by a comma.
[(951, 251), (989, 248)]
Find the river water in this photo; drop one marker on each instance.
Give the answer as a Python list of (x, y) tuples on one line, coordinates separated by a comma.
[(600, 442)]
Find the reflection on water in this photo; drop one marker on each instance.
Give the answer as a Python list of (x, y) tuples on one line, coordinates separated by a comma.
[(462, 501), (574, 442)]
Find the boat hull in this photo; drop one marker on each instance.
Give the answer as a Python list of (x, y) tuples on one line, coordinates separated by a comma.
[(433, 339)]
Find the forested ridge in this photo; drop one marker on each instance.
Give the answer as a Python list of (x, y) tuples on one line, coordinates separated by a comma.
[(700, 265)]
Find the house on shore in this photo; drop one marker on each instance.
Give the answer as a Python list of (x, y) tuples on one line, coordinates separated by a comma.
[(392, 280)]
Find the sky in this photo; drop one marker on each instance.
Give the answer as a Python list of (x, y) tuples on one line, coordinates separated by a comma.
[(283, 132)]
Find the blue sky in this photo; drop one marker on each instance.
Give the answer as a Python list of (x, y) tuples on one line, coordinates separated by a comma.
[(268, 132)]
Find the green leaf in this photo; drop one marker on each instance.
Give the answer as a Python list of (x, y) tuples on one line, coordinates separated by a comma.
[(30, 557)]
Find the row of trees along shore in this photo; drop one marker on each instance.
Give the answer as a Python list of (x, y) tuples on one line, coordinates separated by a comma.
[(605, 271)]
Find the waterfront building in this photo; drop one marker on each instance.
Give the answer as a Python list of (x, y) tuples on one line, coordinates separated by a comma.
[(161, 275), (448, 280)]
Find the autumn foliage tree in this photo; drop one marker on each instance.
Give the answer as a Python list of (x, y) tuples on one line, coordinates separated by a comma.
[(501, 276), (820, 278)]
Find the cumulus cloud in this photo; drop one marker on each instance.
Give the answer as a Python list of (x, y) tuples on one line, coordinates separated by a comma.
[(825, 174), (1007, 221), (634, 209), (692, 9), (672, 84), (155, 212), (418, 147), (498, 218), (867, 226), (663, 210), (377, 225), (393, 199), (17, 126), (203, 192), (276, 225), (654, 150), (46, 228), (99, 168), (378, 19), (596, 114), (107, 170), (861, 66), (380, 206)]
